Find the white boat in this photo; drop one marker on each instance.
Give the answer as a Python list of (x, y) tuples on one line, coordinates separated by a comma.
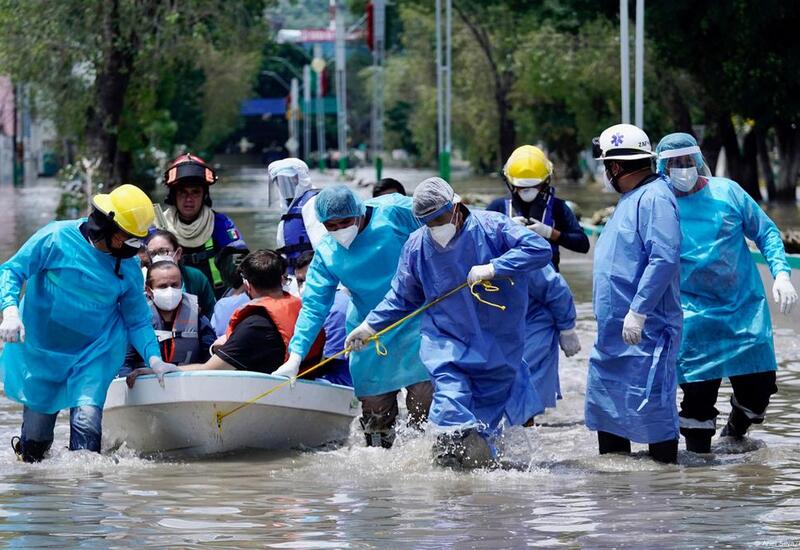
[(180, 420)]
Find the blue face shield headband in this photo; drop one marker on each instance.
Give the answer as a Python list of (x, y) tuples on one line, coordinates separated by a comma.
[(448, 207)]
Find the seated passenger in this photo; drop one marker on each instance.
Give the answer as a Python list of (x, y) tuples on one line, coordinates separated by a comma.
[(334, 327), (163, 245), (387, 186), (184, 335), (259, 332)]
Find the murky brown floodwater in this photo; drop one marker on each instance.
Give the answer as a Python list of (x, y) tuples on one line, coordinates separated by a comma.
[(356, 497)]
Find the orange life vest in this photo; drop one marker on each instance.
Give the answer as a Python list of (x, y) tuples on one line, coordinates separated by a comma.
[(284, 313)]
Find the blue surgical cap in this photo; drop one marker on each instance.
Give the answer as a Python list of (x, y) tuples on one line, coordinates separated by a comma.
[(676, 141), (337, 202)]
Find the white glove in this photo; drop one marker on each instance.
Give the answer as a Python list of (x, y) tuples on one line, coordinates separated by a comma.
[(357, 339), (522, 220), (480, 273), (632, 327), (12, 329), (161, 367), (568, 339), (541, 228), (784, 293), (291, 367)]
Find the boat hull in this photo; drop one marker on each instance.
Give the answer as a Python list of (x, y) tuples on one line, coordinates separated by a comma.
[(181, 418)]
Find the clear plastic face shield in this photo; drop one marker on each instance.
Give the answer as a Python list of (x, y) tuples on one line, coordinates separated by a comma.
[(286, 182), (683, 166)]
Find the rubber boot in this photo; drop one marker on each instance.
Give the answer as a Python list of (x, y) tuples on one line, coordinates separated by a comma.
[(378, 438), (465, 450), (611, 443), (30, 451), (665, 452), (698, 441), (737, 426)]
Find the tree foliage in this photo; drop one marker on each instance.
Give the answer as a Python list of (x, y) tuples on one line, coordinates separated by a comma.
[(121, 77)]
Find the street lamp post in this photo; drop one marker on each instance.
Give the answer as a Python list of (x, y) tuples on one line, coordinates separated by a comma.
[(379, 28), (306, 112), (341, 86), (318, 66), (444, 85)]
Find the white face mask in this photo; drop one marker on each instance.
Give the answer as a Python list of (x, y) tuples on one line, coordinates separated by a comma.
[(346, 236), (527, 194), (443, 234), (607, 185), (167, 299), (683, 179), (163, 258)]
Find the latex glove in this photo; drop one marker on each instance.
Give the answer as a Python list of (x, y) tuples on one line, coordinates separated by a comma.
[(568, 339), (12, 329), (632, 327), (522, 220), (357, 339), (483, 272), (541, 229), (160, 368), (291, 367), (784, 293)]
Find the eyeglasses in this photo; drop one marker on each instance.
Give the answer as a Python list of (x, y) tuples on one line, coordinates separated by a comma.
[(134, 242), (161, 252)]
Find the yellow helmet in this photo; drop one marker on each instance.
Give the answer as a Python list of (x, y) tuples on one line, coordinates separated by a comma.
[(528, 167), (129, 207)]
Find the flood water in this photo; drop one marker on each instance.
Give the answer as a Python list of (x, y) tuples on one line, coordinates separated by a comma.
[(358, 497)]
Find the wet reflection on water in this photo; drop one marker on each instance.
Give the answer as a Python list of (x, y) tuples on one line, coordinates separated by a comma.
[(355, 497)]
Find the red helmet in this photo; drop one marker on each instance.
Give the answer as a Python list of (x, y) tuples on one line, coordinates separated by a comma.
[(189, 168)]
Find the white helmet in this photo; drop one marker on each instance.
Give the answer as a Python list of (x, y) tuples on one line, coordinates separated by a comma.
[(622, 142)]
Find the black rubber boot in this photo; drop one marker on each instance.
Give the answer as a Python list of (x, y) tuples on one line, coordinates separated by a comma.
[(664, 451), (611, 443), (698, 441), (465, 450), (737, 426), (379, 438), (30, 451)]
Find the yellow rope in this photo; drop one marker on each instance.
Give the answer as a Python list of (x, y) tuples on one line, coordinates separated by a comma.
[(379, 348)]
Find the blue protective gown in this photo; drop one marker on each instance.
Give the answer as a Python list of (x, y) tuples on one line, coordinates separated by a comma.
[(551, 309), (473, 351), (727, 329), (78, 316), (631, 390), (366, 269)]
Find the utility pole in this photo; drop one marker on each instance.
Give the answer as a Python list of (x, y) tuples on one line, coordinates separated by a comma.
[(293, 144), (318, 65), (18, 142), (341, 85), (378, 52), (624, 61), (444, 85), (638, 101), (307, 113)]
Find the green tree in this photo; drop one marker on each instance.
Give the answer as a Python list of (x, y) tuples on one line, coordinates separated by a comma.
[(108, 72), (742, 55)]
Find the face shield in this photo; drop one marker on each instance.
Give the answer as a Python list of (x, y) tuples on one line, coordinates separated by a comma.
[(287, 185), (683, 166)]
